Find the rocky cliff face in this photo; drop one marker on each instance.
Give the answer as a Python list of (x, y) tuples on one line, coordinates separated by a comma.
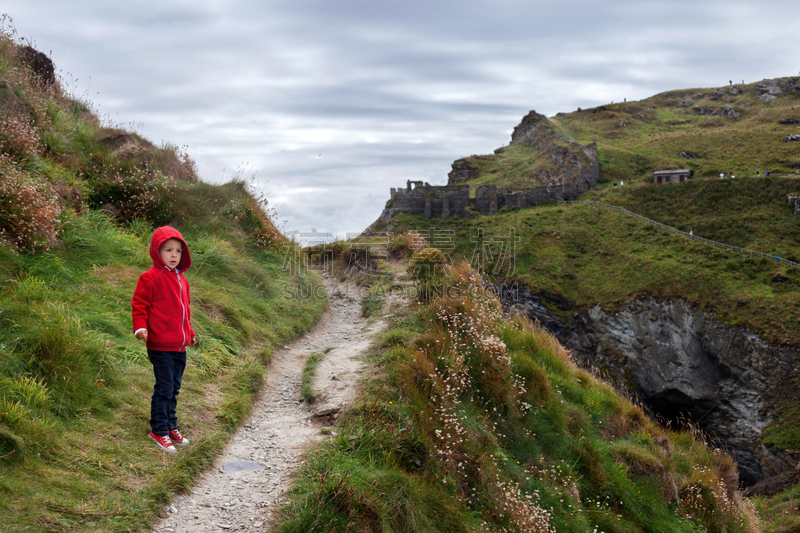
[(575, 166), (683, 362), (573, 169), (462, 172)]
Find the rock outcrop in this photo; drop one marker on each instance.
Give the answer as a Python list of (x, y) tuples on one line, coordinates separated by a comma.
[(682, 362), (770, 89), (571, 169), (794, 201), (39, 63), (575, 167), (462, 172)]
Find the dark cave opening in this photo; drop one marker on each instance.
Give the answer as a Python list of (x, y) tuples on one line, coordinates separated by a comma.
[(675, 410)]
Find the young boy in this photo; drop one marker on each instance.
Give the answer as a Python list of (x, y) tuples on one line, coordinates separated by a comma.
[(162, 319)]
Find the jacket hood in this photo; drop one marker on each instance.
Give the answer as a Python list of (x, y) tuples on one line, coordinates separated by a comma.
[(162, 235)]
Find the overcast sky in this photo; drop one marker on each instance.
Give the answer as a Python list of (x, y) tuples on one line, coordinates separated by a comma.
[(328, 104)]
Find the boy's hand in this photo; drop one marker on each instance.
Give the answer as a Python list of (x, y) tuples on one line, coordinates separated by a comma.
[(142, 335), (194, 341)]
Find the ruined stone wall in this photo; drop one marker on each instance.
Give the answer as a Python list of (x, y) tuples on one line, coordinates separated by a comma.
[(428, 200), (489, 199)]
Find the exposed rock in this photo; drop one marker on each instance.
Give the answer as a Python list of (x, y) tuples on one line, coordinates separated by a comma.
[(728, 111), (123, 143), (39, 63), (681, 360), (686, 103), (331, 407), (779, 278), (575, 166), (717, 95), (794, 201), (703, 110), (688, 155), (571, 170), (111, 209), (770, 89), (788, 121), (793, 137), (462, 172)]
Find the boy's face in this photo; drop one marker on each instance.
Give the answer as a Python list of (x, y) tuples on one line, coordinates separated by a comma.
[(170, 252)]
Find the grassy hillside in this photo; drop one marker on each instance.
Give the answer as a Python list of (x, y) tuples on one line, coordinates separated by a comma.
[(667, 132), (595, 256), (78, 203), (481, 423), (639, 137)]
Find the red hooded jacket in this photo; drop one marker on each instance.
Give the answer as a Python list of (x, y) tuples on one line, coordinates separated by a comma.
[(161, 299)]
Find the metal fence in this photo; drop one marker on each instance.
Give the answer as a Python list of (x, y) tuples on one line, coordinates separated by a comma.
[(722, 245)]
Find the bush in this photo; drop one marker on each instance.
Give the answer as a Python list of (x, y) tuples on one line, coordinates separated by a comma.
[(253, 217), (19, 138), (139, 194), (401, 246), (29, 208)]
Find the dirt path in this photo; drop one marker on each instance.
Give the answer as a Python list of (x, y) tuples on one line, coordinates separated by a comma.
[(245, 486)]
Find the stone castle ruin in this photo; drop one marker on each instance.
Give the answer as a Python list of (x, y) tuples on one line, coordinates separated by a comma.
[(571, 170)]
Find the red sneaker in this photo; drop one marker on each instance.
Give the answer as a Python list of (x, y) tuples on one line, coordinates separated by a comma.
[(176, 437), (163, 442)]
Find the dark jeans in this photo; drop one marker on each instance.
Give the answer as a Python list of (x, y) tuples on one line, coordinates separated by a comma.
[(168, 368)]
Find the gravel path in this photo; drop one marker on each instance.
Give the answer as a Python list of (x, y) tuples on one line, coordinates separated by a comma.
[(245, 486)]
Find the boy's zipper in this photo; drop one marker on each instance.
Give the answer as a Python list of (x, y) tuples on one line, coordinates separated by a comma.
[(183, 311)]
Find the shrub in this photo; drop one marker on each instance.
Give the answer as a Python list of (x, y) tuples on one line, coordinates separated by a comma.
[(137, 194), (428, 268), (19, 138), (29, 208), (254, 218), (401, 246)]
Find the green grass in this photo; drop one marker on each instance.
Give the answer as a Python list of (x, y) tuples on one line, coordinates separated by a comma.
[(309, 372), (75, 384), (452, 437), (631, 147), (594, 256), (780, 513), (755, 140)]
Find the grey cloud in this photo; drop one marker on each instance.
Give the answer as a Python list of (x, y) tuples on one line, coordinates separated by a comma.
[(384, 90)]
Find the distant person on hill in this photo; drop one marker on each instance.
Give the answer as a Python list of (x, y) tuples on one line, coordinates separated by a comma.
[(758, 173), (163, 320), (766, 172), (621, 184), (615, 184)]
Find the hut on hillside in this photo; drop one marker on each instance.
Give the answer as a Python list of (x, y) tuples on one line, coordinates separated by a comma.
[(671, 176)]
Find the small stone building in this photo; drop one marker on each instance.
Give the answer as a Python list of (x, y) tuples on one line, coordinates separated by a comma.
[(671, 176)]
